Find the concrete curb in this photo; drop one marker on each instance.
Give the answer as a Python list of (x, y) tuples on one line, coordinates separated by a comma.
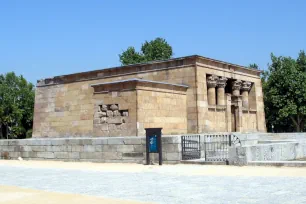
[(203, 162), (278, 163)]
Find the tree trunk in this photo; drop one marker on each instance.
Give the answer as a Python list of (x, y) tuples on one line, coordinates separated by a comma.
[(296, 124), (6, 132), (298, 129), (1, 133)]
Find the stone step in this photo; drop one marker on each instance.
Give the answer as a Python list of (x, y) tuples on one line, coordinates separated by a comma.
[(278, 163), (203, 162)]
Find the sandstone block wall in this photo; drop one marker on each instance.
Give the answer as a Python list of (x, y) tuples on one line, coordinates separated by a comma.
[(68, 109), (160, 107), (65, 105), (128, 107), (118, 121), (218, 121), (249, 121), (107, 149)]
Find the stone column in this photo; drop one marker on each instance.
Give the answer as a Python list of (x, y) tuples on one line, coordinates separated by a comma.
[(229, 112), (211, 89), (221, 83), (236, 85), (245, 88), (239, 115)]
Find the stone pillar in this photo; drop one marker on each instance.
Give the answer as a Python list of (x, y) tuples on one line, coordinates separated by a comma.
[(229, 112), (221, 83), (236, 85), (239, 115), (211, 89), (245, 88)]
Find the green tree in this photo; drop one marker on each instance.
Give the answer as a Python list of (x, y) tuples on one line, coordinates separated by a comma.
[(157, 49), (284, 86), (253, 66), (130, 56), (16, 106), (301, 61)]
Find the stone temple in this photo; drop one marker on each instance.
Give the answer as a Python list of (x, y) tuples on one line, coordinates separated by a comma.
[(192, 94)]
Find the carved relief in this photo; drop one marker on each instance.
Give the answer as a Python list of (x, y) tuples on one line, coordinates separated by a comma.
[(109, 117), (212, 81), (236, 85), (221, 82), (246, 86)]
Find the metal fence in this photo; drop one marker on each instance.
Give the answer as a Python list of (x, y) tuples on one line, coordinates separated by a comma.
[(214, 147), (191, 148)]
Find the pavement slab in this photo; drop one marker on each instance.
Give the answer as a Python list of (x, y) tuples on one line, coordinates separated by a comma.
[(166, 184)]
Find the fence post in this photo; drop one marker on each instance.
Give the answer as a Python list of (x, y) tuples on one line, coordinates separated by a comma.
[(199, 145), (205, 156), (183, 147), (147, 151)]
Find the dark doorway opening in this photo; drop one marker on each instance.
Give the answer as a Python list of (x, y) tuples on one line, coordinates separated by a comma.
[(233, 118)]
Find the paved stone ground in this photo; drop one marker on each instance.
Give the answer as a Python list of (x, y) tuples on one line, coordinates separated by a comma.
[(159, 186)]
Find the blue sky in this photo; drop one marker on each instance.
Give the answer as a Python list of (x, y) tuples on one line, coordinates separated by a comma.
[(40, 39)]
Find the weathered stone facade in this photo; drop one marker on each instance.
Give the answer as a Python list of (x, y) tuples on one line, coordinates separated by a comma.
[(184, 95), (127, 107)]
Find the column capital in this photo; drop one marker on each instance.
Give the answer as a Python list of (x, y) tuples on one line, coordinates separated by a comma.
[(212, 81), (236, 85), (221, 82), (246, 86)]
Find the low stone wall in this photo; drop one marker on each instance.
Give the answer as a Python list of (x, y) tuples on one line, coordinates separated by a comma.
[(254, 147), (282, 136), (255, 138), (274, 151), (105, 149)]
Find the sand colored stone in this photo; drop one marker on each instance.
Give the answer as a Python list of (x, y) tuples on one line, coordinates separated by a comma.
[(66, 105)]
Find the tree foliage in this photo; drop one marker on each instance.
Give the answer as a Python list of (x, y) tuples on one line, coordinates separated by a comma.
[(284, 86), (130, 56), (16, 106), (253, 66), (157, 49)]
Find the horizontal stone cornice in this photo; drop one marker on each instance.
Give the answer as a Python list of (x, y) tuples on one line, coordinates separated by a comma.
[(174, 63), (228, 70)]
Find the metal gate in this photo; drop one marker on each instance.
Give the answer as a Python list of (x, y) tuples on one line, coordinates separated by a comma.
[(215, 146), (191, 148)]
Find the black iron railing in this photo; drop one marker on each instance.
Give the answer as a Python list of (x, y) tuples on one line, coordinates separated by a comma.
[(191, 147), (215, 146)]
